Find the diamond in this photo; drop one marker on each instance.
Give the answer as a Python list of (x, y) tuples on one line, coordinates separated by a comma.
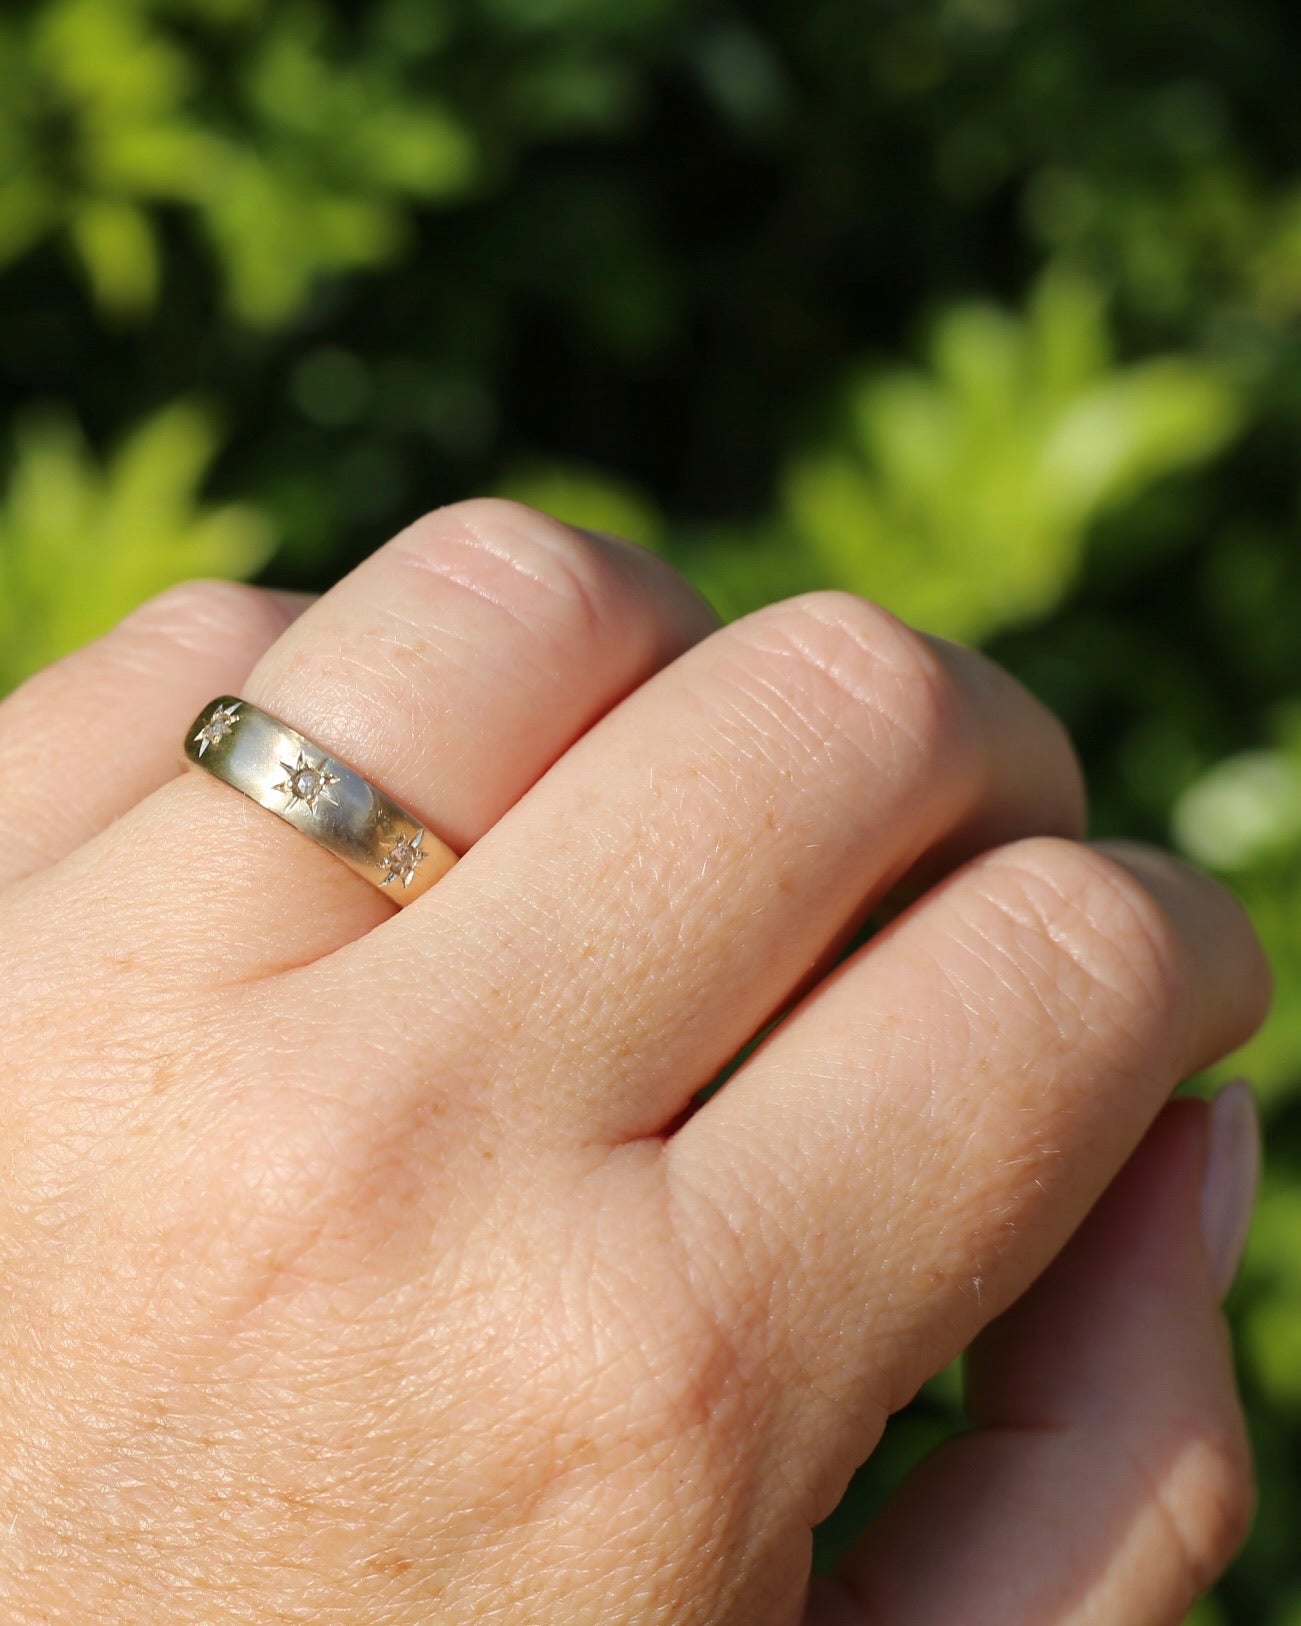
[(218, 726), (307, 782), (401, 860)]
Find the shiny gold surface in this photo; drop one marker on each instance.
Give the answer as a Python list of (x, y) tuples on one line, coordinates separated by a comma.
[(339, 809)]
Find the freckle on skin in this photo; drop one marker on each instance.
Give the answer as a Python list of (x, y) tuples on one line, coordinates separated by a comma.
[(388, 1563), (164, 1076)]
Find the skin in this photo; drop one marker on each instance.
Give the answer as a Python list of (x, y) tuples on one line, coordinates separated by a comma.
[(365, 1267)]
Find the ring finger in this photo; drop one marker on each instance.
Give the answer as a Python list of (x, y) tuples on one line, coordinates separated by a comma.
[(450, 669)]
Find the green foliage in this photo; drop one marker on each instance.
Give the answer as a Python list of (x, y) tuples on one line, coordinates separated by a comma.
[(310, 172), (80, 545), (586, 497), (967, 498), (986, 308), (964, 496), (93, 130)]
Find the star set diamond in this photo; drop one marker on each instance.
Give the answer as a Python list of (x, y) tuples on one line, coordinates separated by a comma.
[(321, 796), (218, 726), (401, 861), (307, 782)]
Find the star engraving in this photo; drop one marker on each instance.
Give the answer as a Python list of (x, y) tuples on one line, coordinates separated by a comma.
[(218, 726), (307, 782), (401, 860)]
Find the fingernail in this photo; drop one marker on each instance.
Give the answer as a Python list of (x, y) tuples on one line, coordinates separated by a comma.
[(1229, 1184)]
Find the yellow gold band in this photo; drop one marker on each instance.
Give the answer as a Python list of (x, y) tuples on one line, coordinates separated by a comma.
[(299, 781)]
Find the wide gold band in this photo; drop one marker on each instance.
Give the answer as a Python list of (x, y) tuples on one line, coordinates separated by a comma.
[(299, 781)]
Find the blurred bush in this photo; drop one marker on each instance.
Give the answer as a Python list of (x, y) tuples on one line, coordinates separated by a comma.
[(81, 545), (986, 308)]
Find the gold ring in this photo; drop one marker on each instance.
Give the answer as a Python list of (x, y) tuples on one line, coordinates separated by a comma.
[(299, 781)]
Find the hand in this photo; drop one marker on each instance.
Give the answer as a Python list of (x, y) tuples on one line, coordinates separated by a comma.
[(373, 1267)]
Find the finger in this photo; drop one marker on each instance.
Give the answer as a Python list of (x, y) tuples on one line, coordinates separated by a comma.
[(697, 856), (63, 775), (908, 1151), (450, 669), (1107, 1481)]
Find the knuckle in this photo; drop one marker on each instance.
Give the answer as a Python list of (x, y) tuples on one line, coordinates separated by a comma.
[(1209, 912), (663, 1357), (206, 611), (1112, 945), (532, 566), (194, 615), (296, 1183), (861, 669)]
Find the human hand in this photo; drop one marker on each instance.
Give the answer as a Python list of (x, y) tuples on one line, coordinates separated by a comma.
[(373, 1268)]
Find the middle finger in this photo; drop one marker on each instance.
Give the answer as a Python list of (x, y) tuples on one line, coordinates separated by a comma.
[(701, 853)]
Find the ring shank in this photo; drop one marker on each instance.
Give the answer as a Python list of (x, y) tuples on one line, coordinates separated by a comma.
[(303, 784)]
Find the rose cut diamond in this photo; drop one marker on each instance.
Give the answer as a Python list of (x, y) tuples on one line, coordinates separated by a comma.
[(307, 782), (401, 860), (218, 726)]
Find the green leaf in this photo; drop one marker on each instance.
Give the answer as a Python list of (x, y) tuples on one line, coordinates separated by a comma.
[(116, 243), (586, 497), (82, 543), (963, 496)]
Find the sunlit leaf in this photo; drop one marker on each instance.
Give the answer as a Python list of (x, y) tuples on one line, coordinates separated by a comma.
[(116, 243), (82, 542), (964, 496)]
